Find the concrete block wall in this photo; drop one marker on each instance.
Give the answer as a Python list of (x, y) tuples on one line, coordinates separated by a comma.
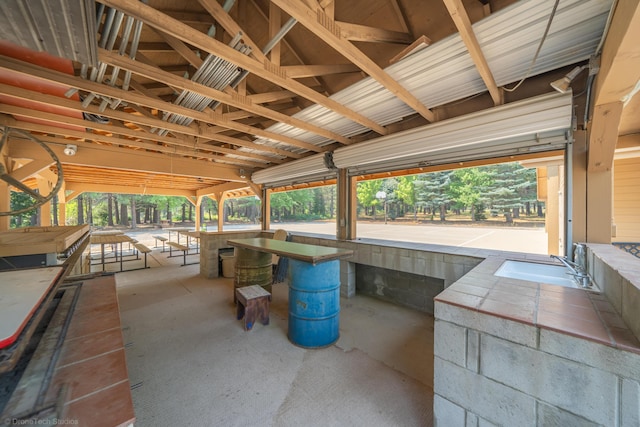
[(492, 371), (441, 265), (211, 242), (411, 290), (444, 264), (617, 274)]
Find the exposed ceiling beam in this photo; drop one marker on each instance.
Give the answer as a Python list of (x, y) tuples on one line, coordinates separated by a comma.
[(235, 100), (155, 47), (463, 23), (182, 49), (229, 186), (30, 169), (274, 23), (616, 81), (123, 131), (603, 136), (326, 29), (183, 151), (132, 97), (266, 69), (620, 61), (401, 18), (363, 33), (231, 27), (300, 71), (261, 98), (146, 120), (79, 188), (138, 161)]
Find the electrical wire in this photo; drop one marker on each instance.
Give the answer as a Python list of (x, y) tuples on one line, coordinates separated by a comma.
[(535, 57)]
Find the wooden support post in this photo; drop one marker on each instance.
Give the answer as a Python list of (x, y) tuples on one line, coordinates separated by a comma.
[(552, 221), (346, 218), (198, 207), (221, 197), (266, 208), (5, 205)]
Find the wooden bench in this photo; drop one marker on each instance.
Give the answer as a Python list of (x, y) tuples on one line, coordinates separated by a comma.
[(253, 304), (162, 239), (178, 247), (143, 249)]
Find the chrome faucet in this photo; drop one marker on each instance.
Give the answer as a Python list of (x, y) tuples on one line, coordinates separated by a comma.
[(582, 277)]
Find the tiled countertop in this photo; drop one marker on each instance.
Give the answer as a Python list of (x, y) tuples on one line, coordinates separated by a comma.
[(577, 312), (92, 360)]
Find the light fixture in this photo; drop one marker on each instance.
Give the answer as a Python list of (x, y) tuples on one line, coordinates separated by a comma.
[(563, 85), (242, 173), (70, 150)]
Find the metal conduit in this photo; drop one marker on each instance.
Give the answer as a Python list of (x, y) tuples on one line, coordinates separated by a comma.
[(270, 45), (215, 73), (113, 20)]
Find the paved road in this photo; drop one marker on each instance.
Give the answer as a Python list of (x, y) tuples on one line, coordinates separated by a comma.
[(531, 240)]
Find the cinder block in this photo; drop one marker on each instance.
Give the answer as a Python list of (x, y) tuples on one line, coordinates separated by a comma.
[(376, 258), (623, 363), (609, 282), (473, 350), (509, 330), (551, 416), (488, 399), (484, 423), (419, 264), (453, 271), (449, 342), (472, 420), (579, 389), (406, 264), (630, 404), (447, 414), (631, 306), (347, 279)]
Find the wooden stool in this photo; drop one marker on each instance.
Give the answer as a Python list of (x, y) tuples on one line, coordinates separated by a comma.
[(253, 303)]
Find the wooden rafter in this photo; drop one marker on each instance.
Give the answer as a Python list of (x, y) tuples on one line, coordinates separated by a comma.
[(463, 23), (129, 96), (103, 156), (266, 70), (241, 102), (300, 71), (322, 26), (141, 120), (363, 33), (125, 132)]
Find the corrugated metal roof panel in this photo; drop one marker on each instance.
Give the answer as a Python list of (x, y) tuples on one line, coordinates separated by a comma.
[(64, 28), (444, 71)]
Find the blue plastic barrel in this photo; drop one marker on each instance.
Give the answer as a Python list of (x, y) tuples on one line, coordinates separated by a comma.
[(314, 303)]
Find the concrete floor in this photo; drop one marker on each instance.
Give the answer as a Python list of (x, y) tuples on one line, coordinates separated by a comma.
[(191, 362)]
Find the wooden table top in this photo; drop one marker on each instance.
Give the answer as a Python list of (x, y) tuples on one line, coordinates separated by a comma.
[(179, 229), (107, 232), (313, 254), (21, 292), (110, 238), (40, 240), (192, 233)]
